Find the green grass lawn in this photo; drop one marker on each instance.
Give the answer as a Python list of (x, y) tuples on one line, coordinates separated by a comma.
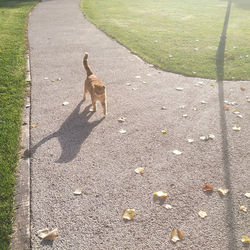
[(13, 16), (179, 36)]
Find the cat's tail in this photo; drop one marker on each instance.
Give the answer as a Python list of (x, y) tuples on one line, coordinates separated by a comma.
[(86, 65)]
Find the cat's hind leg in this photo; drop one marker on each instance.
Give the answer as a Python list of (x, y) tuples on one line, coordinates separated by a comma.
[(104, 106), (85, 91), (93, 109)]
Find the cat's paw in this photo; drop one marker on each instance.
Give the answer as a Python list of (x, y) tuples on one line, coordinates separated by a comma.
[(92, 110)]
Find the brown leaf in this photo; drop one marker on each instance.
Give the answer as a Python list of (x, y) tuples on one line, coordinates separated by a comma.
[(207, 187), (176, 235)]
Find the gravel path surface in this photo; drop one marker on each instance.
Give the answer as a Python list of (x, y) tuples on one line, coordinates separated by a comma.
[(75, 149)]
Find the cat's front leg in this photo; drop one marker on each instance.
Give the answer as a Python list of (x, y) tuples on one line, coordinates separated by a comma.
[(93, 109), (84, 94), (104, 106)]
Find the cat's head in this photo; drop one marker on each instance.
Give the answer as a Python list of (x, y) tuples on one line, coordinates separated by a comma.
[(99, 89)]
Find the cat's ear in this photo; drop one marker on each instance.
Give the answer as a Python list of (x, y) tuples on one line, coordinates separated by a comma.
[(103, 86)]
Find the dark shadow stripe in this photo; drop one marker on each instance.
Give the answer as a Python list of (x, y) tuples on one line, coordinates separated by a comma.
[(220, 57)]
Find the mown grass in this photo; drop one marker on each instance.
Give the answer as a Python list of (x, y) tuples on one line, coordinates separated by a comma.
[(13, 16), (179, 36)]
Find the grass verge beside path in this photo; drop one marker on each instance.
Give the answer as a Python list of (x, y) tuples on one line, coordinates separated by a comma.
[(179, 36), (13, 16)]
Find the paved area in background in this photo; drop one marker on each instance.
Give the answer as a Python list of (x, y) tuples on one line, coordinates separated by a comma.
[(73, 148)]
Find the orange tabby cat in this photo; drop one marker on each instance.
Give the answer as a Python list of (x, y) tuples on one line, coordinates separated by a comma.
[(94, 86)]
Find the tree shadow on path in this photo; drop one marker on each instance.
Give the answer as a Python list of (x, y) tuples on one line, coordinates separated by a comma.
[(72, 133), (220, 58)]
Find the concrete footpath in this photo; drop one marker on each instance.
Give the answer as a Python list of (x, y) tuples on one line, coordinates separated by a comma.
[(73, 148)]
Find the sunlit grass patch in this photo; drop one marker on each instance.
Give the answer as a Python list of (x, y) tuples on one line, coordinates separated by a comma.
[(13, 16), (180, 36)]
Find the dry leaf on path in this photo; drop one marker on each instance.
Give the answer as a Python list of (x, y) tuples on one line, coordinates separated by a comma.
[(176, 235), (247, 195), (128, 214), (206, 138), (226, 107), (65, 103), (122, 131), (168, 206), (243, 88), (164, 131), (245, 239), (139, 170), (161, 194), (45, 234), (207, 187), (177, 152), (223, 191), (204, 102), (236, 127), (211, 136), (243, 208), (34, 125), (203, 138), (179, 89), (78, 192), (202, 214), (121, 119)]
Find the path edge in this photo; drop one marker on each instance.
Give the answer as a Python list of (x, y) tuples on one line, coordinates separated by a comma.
[(21, 231)]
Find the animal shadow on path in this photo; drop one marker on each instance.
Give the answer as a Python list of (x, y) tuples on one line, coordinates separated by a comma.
[(72, 133)]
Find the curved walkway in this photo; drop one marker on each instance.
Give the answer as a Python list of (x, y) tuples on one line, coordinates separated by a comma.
[(75, 149)]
